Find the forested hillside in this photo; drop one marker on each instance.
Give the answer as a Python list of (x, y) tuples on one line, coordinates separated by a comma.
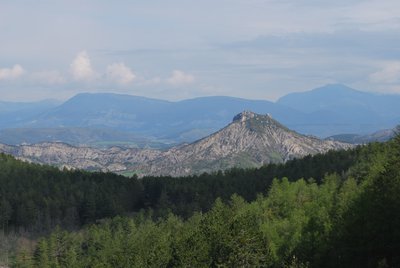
[(37, 198), (344, 213)]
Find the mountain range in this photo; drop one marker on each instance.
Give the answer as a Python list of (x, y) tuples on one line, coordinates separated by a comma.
[(134, 121), (250, 140), (338, 109), (378, 136)]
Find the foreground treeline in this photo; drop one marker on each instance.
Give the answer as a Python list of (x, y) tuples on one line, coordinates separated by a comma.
[(347, 220), (345, 213), (37, 198)]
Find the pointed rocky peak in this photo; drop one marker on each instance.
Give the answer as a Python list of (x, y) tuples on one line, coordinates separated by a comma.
[(248, 115), (256, 121), (243, 116)]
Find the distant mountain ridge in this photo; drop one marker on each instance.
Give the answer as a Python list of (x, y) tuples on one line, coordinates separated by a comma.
[(250, 140), (152, 117), (93, 137), (379, 136), (15, 113), (323, 112), (341, 109)]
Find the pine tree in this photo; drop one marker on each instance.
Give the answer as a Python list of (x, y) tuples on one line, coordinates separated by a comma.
[(41, 255)]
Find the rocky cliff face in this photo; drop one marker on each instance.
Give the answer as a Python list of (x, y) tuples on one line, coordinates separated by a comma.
[(114, 159), (251, 140)]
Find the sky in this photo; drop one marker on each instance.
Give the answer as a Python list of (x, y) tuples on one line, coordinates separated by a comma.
[(179, 49)]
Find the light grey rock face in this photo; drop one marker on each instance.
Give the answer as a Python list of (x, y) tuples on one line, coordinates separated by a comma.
[(115, 159), (251, 140)]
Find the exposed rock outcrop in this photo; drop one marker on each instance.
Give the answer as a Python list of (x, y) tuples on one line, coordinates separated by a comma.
[(251, 140)]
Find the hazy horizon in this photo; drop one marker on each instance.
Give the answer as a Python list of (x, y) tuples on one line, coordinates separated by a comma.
[(61, 100), (253, 49)]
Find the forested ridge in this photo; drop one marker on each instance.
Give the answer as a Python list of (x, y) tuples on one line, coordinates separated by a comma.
[(38, 197), (339, 209)]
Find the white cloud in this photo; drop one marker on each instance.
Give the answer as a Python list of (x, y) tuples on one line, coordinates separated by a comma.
[(120, 73), (11, 73), (48, 77), (179, 78), (81, 68), (389, 74)]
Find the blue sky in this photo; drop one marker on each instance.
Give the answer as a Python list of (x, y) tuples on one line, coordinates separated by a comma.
[(177, 49)]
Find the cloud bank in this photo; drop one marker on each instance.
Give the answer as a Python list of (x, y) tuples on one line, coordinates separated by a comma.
[(48, 77), (11, 73), (260, 49), (179, 78), (81, 68), (120, 73), (389, 74)]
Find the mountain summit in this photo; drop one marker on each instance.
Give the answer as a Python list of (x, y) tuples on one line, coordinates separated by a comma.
[(255, 121), (251, 140), (324, 111)]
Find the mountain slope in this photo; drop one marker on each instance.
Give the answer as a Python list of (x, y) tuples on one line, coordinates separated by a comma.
[(182, 121), (14, 113), (340, 108), (123, 112), (325, 111), (114, 159), (251, 140), (328, 97), (92, 137)]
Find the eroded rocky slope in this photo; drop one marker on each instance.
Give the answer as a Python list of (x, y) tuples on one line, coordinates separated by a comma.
[(251, 140)]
